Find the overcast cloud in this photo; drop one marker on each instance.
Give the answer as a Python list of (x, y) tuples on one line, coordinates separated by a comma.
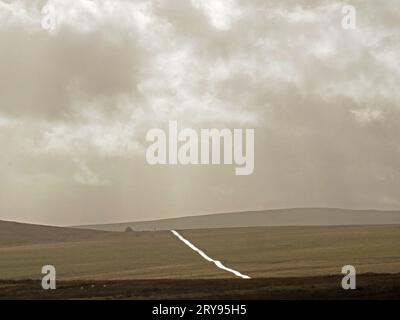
[(76, 103)]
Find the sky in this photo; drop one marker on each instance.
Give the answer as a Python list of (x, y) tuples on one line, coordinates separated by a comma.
[(81, 82)]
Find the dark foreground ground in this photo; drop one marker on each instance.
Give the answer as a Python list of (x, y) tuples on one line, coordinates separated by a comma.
[(369, 286)]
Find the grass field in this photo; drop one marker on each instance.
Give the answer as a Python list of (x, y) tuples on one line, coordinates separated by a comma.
[(262, 218), (258, 252), (264, 253), (144, 255), (302, 251)]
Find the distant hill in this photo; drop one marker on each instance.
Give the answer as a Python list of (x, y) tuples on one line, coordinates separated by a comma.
[(279, 217), (14, 233)]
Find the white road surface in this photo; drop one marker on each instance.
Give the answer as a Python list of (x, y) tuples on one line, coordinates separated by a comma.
[(206, 257)]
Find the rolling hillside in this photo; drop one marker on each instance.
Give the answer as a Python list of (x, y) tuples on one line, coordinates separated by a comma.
[(283, 262), (14, 233), (262, 252), (280, 217)]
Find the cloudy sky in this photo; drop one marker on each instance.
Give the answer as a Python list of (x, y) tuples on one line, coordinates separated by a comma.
[(76, 102)]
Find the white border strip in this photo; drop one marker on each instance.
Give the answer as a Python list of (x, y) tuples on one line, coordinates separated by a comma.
[(216, 262)]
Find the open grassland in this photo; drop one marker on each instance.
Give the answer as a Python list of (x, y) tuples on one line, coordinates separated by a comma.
[(258, 252), (284, 262), (302, 251), (144, 255), (14, 233), (263, 218)]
